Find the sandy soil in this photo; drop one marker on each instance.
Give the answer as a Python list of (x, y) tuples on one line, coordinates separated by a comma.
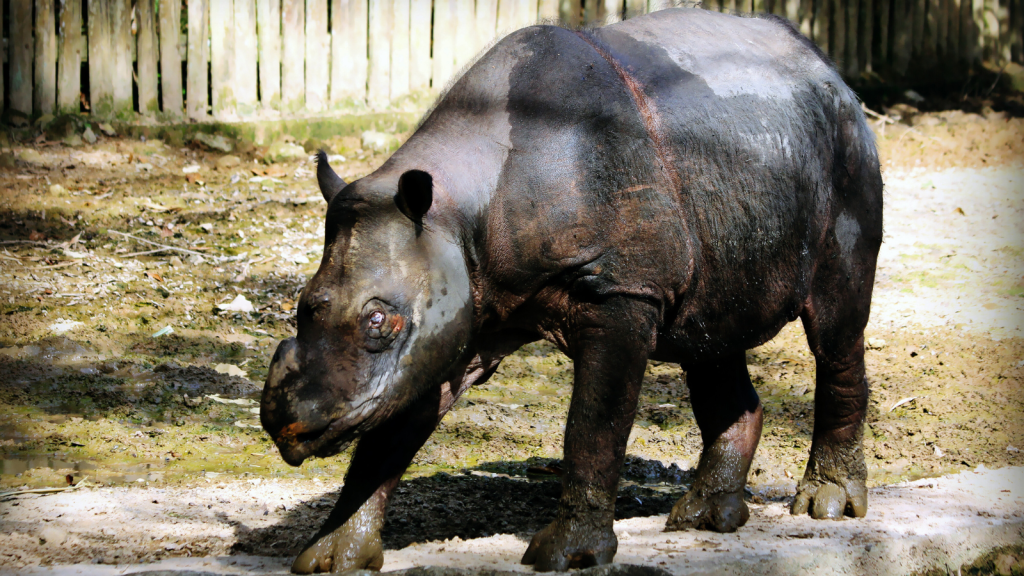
[(164, 428)]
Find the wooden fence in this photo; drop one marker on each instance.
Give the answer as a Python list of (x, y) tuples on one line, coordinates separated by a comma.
[(233, 59)]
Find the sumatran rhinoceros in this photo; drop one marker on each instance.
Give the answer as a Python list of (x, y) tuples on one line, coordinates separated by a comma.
[(675, 187)]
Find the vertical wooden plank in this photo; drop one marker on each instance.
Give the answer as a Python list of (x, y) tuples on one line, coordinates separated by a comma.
[(931, 33), (222, 58), (852, 65), (1017, 27), (977, 30), (486, 21), (806, 17), (443, 57), (917, 30), (196, 84), (612, 11), (592, 11), (44, 94), (865, 43), (146, 56), (953, 38), (419, 43), (527, 12), (903, 31), (379, 82), (21, 50), (359, 11), (571, 11), (822, 18), (942, 27), (758, 6), (3, 58), (101, 84), (506, 16), (121, 24), (837, 41), (882, 58), (547, 10), (293, 57), (318, 56), (170, 57), (465, 39), (342, 65), (246, 66), (69, 56), (268, 30), (400, 48)]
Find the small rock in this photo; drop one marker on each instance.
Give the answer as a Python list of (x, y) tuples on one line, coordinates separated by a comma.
[(239, 304), (107, 130), (191, 169), (378, 141), (74, 141), (1004, 564), (938, 451), (88, 135), (58, 190), (284, 151), (1012, 449), (195, 260), (214, 142), (175, 261), (53, 536), (207, 227), (229, 161), (30, 156), (875, 343), (230, 370)]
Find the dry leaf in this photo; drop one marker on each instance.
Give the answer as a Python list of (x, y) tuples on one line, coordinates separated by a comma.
[(36, 236), (960, 211), (155, 276)]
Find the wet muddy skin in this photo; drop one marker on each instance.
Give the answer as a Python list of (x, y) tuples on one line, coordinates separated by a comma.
[(107, 400)]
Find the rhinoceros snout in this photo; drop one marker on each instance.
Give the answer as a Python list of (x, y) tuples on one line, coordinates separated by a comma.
[(285, 368)]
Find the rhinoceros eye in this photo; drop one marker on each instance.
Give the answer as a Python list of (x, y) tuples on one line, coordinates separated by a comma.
[(377, 319)]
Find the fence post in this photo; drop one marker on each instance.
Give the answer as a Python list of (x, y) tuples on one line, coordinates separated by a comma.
[(419, 44), (222, 58), (852, 16), (20, 57), (318, 55), (246, 80), (400, 29), (570, 11), (465, 38), (293, 76), (3, 56), (547, 10), (45, 76), (268, 27), (348, 50), (198, 58), (121, 25), (444, 42), (146, 56), (170, 57), (379, 82)]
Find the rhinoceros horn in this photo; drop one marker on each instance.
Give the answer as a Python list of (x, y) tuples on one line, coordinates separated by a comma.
[(329, 181)]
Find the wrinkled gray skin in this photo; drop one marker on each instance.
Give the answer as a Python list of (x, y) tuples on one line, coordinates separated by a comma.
[(675, 187)]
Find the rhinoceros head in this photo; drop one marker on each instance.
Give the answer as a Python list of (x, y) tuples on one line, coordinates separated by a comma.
[(385, 318)]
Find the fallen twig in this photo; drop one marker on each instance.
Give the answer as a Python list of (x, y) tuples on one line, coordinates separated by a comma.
[(8, 495), (881, 117), (902, 402), (163, 246)]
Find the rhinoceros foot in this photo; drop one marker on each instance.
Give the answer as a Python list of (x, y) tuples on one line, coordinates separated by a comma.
[(347, 548), (577, 542), (822, 499), (720, 512)]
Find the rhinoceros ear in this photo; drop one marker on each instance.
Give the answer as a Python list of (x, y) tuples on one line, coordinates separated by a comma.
[(329, 181), (415, 194)]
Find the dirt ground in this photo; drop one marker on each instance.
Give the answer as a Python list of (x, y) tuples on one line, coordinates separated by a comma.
[(128, 366)]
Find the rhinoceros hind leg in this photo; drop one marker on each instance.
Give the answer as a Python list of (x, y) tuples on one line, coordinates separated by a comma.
[(609, 346), (729, 415)]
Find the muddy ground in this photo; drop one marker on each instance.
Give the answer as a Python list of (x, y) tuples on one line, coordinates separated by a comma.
[(120, 366)]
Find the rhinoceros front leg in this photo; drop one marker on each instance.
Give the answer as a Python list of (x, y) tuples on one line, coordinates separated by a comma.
[(350, 537), (610, 353), (729, 415)]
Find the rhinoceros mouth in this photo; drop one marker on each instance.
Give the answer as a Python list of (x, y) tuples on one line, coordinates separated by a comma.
[(296, 442)]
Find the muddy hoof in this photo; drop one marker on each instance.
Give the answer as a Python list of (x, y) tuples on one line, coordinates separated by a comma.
[(715, 512), (340, 551), (563, 545), (827, 500)]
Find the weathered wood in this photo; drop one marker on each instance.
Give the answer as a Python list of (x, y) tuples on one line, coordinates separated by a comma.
[(932, 16), (882, 57), (486, 21), (865, 43), (44, 93), (806, 16), (268, 30), (527, 11), (443, 57), (837, 42), (571, 11), (977, 39), (3, 58), (101, 59), (222, 58), (506, 16), (147, 56), (822, 18), (293, 54), (612, 11), (196, 85), (918, 27), (1017, 31), (121, 24), (903, 29), (852, 65), (318, 55), (360, 16), (942, 28), (400, 11), (246, 64), (21, 49), (419, 43), (379, 83), (465, 38), (953, 38), (547, 10), (757, 6), (170, 57)]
